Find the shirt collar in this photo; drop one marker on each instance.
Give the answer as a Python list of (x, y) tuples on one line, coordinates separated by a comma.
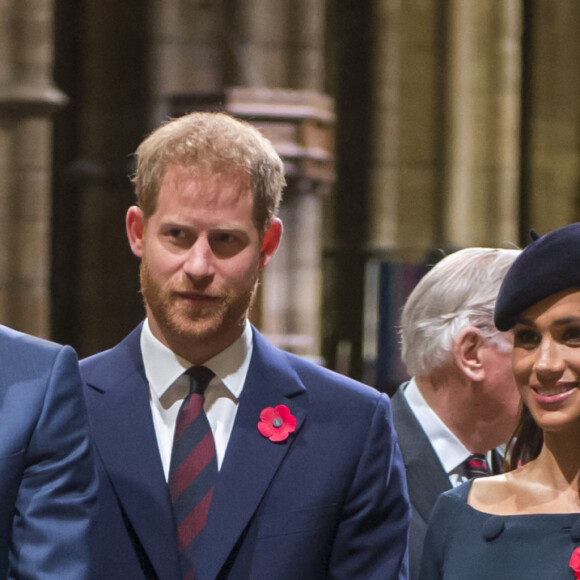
[(163, 367), (449, 449)]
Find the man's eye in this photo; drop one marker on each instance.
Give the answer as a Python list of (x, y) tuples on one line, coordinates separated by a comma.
[(223, 238), (225, 244)]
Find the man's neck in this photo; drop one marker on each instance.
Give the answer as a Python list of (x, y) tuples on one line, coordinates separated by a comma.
[(197, 350), (454, 399)]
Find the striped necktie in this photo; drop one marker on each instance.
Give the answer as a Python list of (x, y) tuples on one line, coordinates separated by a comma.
[(193, 470), (476, 466)]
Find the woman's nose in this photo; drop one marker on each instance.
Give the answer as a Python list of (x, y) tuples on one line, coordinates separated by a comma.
[(549, 359)]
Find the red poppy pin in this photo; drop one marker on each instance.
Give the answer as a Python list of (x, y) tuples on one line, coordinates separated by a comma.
[(276, 423), (575, 563)]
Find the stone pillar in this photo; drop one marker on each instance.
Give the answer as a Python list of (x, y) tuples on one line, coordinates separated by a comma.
[(483, 122), (187, 51), (258, 43), (300, 124), (446, 125), (307, 42), (28, 100), (406, 106), (551, 144)]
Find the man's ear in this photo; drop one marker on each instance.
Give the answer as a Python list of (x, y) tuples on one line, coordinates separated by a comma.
[(135, 224), (467, 353), (271, 242)]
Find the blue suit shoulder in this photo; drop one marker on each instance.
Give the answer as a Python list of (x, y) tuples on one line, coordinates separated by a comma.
[(27, 343), (29, 356), (315, 377)]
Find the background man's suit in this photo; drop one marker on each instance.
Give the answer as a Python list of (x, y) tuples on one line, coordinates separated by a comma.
[(330, 501), (48, 482), (426, 478)]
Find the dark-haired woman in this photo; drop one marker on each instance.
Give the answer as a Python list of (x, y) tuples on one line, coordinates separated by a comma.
[(525, 524)]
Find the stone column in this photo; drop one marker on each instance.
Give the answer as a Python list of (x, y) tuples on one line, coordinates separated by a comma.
[(307, 42), (483, 122), (258, 43), (446, 125), (28, 100), (187, 51), (405, 136), (551, 146)]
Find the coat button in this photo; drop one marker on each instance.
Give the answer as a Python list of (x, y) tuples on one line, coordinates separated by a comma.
[(493, 528)]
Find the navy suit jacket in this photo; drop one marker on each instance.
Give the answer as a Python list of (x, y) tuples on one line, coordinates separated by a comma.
[(329, 502), (426, 478), (48, 484)]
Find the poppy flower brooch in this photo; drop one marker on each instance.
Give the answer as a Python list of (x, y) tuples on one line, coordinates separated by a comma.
[(575, 563), (276, 423)]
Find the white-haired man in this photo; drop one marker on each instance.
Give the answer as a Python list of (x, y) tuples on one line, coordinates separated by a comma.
[(462, 402)]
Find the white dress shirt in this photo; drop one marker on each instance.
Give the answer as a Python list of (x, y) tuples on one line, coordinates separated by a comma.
[(451, 452), (168, 388)]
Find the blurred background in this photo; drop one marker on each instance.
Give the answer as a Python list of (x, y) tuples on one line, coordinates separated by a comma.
[(409, 128)]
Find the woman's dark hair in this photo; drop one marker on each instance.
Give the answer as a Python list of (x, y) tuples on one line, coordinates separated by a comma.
[(526, 441)]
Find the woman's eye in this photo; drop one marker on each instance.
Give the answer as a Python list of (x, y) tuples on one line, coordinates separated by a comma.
[(525, 338), (571, 334)]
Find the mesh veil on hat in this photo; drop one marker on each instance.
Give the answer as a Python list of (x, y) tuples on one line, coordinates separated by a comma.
[(546, 266)]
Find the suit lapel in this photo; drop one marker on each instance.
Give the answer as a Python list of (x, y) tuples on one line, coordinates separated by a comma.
[(426, 478), (125, 438), (251, 460)]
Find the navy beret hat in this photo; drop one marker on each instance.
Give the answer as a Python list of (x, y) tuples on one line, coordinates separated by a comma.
[(546, 266)]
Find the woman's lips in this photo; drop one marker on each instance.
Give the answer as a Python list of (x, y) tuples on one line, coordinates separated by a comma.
[(554, 393)]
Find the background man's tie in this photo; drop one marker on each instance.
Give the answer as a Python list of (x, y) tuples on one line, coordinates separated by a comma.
[(476, 466), (193, 469)]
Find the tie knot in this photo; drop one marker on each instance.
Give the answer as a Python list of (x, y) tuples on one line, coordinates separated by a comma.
[(199, 378), (477, 466)]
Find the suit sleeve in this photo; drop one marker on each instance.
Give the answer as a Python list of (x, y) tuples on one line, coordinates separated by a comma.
[(371, 541), (56, 502)]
